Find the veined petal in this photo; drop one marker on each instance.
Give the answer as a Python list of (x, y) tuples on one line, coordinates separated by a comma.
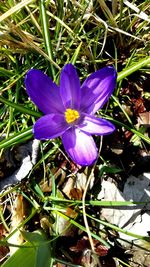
[(80, 146), (94, 125), (70, 87), (97, 89), (50, 126), (43, 92)]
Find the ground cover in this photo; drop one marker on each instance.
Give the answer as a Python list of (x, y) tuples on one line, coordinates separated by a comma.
[(55, 211)]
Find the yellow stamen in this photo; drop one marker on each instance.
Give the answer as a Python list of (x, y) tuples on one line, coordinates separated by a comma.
[(71, 115)]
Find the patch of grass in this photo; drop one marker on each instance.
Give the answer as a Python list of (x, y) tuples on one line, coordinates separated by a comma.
[(90, 34)]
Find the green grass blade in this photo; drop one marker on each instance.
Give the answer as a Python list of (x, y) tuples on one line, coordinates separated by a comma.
[(128, 71), (116, 228), (46, 34), (98, 203), (136, 132), (20, 108), (17, 138), (81, 227), (76, 53)]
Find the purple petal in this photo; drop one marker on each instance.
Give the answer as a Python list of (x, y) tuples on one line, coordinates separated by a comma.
[(50, 126), (97, 89), (70, 87), (80, 147), (43, 92), (94, 125)]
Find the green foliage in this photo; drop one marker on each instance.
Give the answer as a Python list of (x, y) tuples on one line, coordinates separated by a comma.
[(34, 253), (46, 35)]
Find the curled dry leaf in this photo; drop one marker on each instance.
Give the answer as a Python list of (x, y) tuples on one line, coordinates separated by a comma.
[(76, 193), (64, 227), (83, 244), (18, 214), (144, 119)]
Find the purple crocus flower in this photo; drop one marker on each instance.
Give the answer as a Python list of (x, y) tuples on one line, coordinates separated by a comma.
[(69, 109)]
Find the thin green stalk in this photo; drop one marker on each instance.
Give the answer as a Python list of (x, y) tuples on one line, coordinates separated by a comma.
[(81, 227), (3, 220), (89, 177), (70, 32), (46, 34), (60, 5), (122, 109), (129, 62), (20, 108), (125, 264), (139, 134), (17, 138), (100, 203), (118, 229), (64, 263), (10, 120), (76, 54), (128, 71), (31, 215)]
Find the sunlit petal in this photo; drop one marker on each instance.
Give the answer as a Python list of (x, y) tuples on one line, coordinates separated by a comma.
[(93, 125), (97, 89), (70, 87), (80, 147), (50, 126), (43, 92)]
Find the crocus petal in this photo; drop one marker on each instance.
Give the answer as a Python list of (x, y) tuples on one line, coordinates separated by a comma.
[(80, 147), (43, 92), (97, 89), (70, 87), (50, 126), (94, 125)]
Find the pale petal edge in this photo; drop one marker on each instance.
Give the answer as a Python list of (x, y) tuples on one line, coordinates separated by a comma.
[(80, 147)]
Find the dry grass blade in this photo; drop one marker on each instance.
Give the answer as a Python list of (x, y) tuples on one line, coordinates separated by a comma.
[(14, 9)]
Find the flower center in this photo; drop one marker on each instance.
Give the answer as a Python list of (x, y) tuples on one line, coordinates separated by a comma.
[(71, 115)]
